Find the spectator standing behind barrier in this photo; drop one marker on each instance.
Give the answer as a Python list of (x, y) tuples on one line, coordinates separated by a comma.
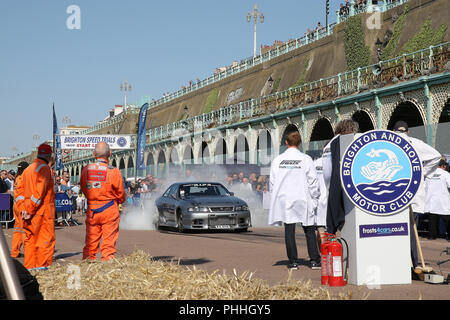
[(438, 200), (10, 178), (65, 179), (18, 235), (60, 188), (430, 159), (4, 188), (103, 186), (294, 192), (39, 211)]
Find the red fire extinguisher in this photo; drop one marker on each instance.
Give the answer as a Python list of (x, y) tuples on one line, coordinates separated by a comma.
[(335, 262), (324, 262), (325, 267)]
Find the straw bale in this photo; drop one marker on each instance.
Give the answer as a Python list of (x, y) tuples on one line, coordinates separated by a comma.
[(137, 276)]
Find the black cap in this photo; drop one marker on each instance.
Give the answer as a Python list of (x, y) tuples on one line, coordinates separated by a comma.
[(22, 166), (12, 172), (401, 126)]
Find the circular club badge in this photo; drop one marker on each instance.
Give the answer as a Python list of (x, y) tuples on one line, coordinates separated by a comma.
[(121, 142), (381, 172)]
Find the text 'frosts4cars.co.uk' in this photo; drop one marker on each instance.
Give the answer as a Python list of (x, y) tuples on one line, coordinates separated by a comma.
[(202, 206)]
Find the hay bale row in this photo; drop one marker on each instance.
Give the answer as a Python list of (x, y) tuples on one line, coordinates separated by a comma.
[(137, 276)]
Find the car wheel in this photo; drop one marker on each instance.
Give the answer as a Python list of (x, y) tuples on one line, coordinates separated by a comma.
[(180, 227)]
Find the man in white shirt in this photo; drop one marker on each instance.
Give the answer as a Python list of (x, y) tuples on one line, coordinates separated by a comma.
[(10, 180), (438, 199), (430, 158), (294, 193)]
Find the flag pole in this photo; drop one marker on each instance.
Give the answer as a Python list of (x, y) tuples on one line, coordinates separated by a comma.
[(54, 140)]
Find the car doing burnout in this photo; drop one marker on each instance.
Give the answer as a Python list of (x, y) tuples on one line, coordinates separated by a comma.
[(200, 206)]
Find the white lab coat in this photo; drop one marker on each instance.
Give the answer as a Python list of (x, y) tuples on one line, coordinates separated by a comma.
[(294, 189), (327, 163), (321, 211), (438, 192), (430, 158)]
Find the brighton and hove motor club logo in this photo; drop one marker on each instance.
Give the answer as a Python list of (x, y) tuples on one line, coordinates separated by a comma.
[(381, 172), (121, 142)]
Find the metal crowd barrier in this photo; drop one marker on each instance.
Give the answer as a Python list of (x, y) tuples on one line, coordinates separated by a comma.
[(65, 217), (6, 212)]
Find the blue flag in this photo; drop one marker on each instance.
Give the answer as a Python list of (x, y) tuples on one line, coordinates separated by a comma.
[(57, 142), (140, 165)]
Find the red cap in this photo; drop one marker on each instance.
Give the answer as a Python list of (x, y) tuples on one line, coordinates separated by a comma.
[(44, 149)]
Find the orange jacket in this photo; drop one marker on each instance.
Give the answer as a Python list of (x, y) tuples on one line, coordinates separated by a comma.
[(38, 188), (102, 183), (19, 194)]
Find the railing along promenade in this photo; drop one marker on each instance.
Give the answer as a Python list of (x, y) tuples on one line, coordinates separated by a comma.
[(245, 64), (403, 68), (287, 47)]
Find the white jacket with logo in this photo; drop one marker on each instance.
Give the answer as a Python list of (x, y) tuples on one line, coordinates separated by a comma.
[(430, 158), (294, 189), (321, 212), (438, 192)]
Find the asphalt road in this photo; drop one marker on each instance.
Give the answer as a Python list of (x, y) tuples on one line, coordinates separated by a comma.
[(261, 251)]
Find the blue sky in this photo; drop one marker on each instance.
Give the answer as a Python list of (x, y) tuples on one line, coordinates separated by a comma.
[(157, 46)]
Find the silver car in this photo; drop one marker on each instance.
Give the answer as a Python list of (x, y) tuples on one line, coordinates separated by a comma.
[(202, 206)]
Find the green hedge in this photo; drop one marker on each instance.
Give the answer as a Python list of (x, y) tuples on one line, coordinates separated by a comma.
[(425, 38), (301, 79), (211, 101), (357, 54), (275, 86), (391, 47)]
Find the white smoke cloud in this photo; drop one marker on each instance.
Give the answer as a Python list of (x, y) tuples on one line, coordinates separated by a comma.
[(145, 216)]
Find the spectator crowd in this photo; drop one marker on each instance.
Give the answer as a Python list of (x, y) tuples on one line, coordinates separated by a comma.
[(247, 185)]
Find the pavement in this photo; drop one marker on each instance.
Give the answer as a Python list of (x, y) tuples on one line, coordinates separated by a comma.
[(261, 251)]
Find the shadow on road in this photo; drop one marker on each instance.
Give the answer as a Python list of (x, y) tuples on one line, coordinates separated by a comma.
[(66, 255), (300, 262), (183, 262)]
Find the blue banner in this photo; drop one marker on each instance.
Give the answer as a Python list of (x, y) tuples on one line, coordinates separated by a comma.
[(62, 203), (57, 142), (140, 165)]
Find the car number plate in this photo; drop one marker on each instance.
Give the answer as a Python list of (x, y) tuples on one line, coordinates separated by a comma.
[(223, 226)]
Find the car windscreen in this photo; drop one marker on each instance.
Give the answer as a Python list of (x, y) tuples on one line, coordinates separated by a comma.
[(202, 189)]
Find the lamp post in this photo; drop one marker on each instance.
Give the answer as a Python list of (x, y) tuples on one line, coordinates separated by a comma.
[(125, 87), (36, 137), (255, 14), (66, 120)]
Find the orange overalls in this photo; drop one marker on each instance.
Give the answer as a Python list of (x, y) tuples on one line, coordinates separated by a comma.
[(18, 234), (39, 244), (103, 187)]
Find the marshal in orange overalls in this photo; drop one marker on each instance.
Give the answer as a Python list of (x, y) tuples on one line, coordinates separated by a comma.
[(18, 236), (104, 191), (39, 244)]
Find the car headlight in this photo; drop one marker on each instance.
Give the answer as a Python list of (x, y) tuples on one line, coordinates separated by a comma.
[(241, 208), (198, 209)]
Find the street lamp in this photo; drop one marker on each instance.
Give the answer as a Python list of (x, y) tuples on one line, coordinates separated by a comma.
[(66, 120), (125, 87), (36, 137), (255, 14)]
